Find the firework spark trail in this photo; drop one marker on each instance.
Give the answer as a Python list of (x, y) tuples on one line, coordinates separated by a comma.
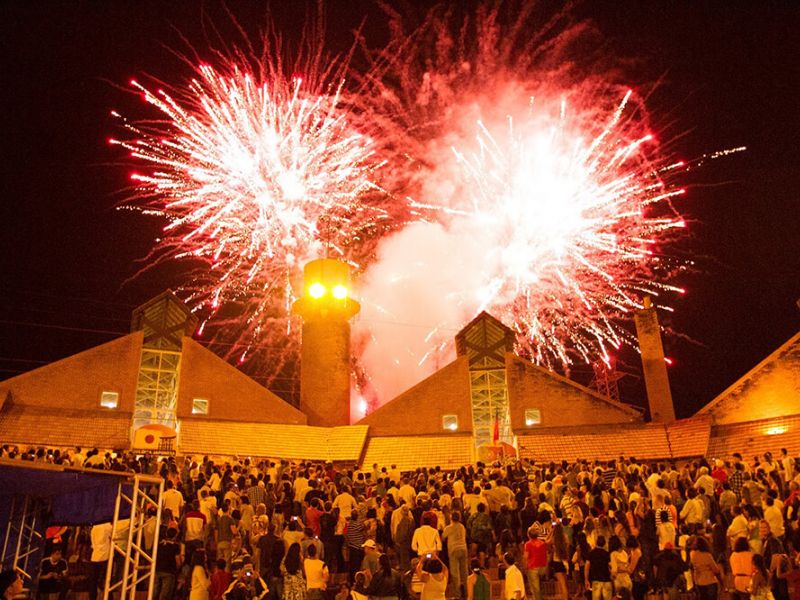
[(544, 196), (256, 177)]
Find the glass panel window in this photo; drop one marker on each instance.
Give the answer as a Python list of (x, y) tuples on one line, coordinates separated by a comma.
[(533, 416), (450, 422), (109, 399), (199, 406)]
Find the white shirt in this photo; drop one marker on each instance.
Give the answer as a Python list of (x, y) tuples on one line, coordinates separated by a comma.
[(345, 503), (514, 583), (101, 542), (426, 540), (173, 500)]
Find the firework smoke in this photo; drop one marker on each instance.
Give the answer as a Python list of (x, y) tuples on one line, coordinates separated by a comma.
[(544, 195)]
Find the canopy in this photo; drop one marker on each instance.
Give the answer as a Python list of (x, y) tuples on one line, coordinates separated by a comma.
[(78, 496)]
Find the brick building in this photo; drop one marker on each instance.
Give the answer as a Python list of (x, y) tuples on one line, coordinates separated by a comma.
[(158, 390)]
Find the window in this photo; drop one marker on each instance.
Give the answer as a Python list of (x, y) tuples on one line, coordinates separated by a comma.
[(450, 422), (199, 406), (533, 416), (109, 399)]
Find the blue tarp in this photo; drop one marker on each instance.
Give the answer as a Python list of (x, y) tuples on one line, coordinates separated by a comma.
[(78, 497)]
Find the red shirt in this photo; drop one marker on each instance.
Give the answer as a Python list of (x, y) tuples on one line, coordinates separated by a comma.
[(537, 553), (220, 581)]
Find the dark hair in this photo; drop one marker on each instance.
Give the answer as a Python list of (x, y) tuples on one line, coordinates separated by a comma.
[(601, 541), (614, 544), (385, 564), (433, 565), (508, 558), (7, 579), (311, 550), (701, 544), (741, 545), (292, 559), (475, 565)]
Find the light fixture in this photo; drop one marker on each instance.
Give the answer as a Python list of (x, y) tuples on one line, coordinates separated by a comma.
[(340, 292), (316, 290)]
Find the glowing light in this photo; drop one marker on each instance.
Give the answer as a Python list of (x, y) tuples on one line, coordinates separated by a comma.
[(316, 290), (776, 430), (362, 406), (453, 426), (340, 292)]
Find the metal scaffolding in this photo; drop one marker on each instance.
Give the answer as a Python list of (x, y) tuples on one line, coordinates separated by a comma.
[(157, 388), (24, 536), (485, 341), (129, 562)]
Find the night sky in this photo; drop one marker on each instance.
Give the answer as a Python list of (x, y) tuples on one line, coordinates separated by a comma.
[(728, 72)]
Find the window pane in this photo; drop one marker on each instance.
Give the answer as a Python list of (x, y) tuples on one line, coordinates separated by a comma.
[(109, 399)]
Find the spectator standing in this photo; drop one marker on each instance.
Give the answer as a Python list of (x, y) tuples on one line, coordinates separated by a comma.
[(53, 575), (101, 550), (535, 563), (455, 536), (168, 562), (597, 574), (515, 583), (294, 585), (200, 583)]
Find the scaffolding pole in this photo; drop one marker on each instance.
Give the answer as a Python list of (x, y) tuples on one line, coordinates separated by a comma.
[(129, 562), (24, 536)]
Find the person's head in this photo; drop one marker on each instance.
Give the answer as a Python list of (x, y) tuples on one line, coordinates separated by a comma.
[(763, 528), (475, 565), (199, 558), (759, 564), (56, 554), (741, 545), (433, 565), (221, 564), (370, 547), (292, 559), (614, 544), (10, 584), (701, 544), (601, 541), (311, 551)]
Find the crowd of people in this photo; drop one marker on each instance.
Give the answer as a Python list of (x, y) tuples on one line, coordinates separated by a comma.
[(240, 529)]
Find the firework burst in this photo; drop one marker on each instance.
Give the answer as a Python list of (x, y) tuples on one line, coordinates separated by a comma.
[(257, 172)]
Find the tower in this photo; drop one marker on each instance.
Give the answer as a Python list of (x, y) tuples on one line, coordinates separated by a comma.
[(485, 341), (659, 397), (326, 309)]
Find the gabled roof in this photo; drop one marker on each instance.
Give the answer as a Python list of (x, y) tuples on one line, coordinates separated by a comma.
[(762, 392), (627, 408)]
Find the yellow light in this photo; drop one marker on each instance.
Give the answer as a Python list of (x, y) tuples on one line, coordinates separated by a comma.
[(316, 290), (340, 292), (777, 430)]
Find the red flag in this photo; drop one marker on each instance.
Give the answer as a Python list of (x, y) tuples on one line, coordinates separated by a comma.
[(496, 431)]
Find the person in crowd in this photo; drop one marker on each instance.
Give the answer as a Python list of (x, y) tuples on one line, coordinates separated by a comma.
[(385, 584), (317, 575), (200, 582), (221, 579), (478, 586), (706, 573), (53, 574), (433, 574), (294, 584), (168, 563), (597, 572), (455, 537), (247, 585), (10, 584)]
